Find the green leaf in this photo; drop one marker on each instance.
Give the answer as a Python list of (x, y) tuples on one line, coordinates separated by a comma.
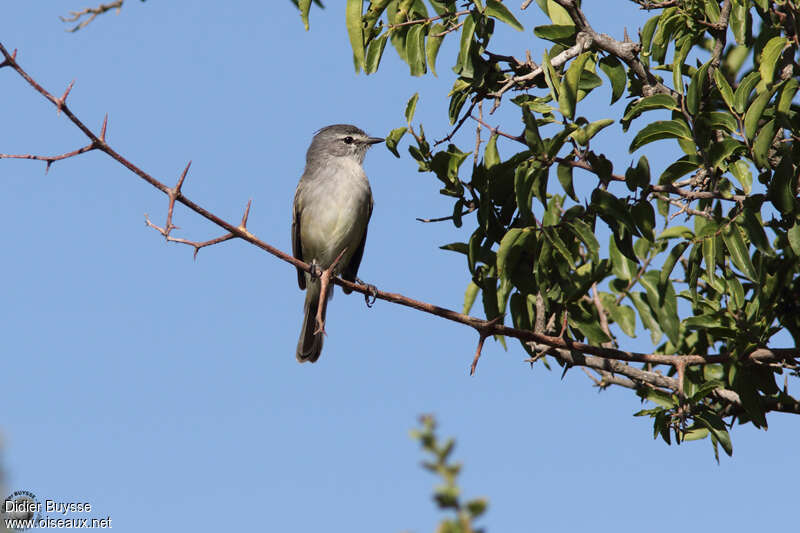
[(656, 101), (769, 58), (647, 316), (565, 179), (736, 246), (558, 14), (304, 6), (785, 99), (374, 53), (720, 151), (661, 129), (645, 218), (554, 32), (550, 76), (551, 235), (743, 91), (695, 91), (624, 316), (433, 45), (501, 12), (762, 144), (621, 266), (491, 156), (415, 50), (411, 106), (612, 67), (794, 237), (569, 88), (464, 62), (585, 234), (724, 88), (671, 260), (584, 134), (755, 232), (647, 37), (674, 232), (460, 247), (393, 138), (613, 210), (511, 246), (739, 21), (716, 426), (679, 168), (755, 111), (353, 21), (477, 507), (664, 304), (710, 257), (781, 189), (741, 171)]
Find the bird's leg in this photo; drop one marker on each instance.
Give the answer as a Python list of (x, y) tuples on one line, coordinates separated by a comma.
[(325, 280), (316, 271), (373, 292)]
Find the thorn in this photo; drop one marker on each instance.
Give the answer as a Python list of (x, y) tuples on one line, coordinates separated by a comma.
[(567, 366), (243, 225), (47, 167), (478, 351), (183, 177), (103, 129), (63, 100), (196, 249)]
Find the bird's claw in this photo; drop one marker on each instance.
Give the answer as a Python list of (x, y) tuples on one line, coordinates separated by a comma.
[(316, 271), (371, 297)]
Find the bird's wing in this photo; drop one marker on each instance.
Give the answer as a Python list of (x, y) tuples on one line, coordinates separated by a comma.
[(297, 247), (351, 270)]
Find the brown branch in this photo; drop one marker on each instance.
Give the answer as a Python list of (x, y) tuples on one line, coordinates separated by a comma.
[(484, 327), (428, 20), (92, 13)]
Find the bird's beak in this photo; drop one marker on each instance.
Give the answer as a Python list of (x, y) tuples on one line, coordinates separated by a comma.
[(375, 140)]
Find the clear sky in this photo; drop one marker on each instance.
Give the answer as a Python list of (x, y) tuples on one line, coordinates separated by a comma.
[(165, 391)]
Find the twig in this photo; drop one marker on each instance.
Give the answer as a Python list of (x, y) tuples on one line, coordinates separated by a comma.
[(75, 16)]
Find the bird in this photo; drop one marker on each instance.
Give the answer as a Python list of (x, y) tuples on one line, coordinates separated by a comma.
[(332, 208)]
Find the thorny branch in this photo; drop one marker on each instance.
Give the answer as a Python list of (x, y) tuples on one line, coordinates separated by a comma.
[(85, 16), (568, 351)]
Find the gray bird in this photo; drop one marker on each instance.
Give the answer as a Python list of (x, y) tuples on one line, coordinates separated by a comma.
[(332, 207)]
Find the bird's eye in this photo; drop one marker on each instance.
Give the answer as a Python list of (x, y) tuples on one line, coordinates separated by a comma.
[(348, 140)]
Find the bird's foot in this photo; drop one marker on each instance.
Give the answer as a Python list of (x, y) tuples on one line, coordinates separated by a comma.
[(371, 297), (316, 270)]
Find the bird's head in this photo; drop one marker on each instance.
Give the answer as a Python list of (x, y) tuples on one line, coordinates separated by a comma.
[(341, 140)]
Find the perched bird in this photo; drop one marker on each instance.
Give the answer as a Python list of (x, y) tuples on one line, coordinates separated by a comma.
[(332, 207)]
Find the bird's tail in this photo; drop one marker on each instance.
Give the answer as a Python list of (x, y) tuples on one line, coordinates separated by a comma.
[(309, 346)]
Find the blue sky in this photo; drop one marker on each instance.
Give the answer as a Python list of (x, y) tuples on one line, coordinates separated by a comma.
[(165, 391)]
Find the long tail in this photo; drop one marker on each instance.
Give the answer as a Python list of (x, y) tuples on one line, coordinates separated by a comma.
[(309, 346)]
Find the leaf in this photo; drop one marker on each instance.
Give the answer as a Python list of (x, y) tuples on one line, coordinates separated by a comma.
[(501, 12), (554, 32), (491, 156), (411, 106), (716, 426), (673, 232), (467, 32), (511, 246), (755, 232), (569, 88), (374, 53), (624, 316), (551, 235), (679, 168), (785, 99), (724, 88), (661, 129), (612, 67), (621, 266), (755, 111), (393, 138), (720, 151), (613, 209), (769, 58), (741, 171), (664, 303), (584, 134), (645, 218), (415, 50), (762, 144), (564, 173), (794, 237), (585, 234), (671, 260), (460, 247), (656, 101), (558, 14), (781, 190), (550, 76), (695, 91), (353, 21), (647, 37), (710, 258), (646, 315), (736, 246), (743, 91), (433, 45), (738, 20), (304, 6)]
